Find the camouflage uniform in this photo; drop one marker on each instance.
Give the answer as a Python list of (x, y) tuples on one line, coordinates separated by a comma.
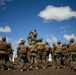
[(72, 46), (57, 55), (33, 54), (46, 53), (3, 52), (41, 56), (18, 58), (29, 38), (28, 53), (64, 54), (35, 34), (23, 55), (72, 51), (53, 57), (9, 56)]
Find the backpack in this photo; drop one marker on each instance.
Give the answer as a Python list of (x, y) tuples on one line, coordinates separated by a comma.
[(58, 49), (22, 49), (3, 46)]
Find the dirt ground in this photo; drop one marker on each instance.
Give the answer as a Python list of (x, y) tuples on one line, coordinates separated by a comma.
[(48, 71)]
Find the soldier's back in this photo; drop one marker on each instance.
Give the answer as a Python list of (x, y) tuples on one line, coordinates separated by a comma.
[(29, 36), (35, 33), (23, 49), (72, 47), (47, 47), (40, 45), (64, 50), (58, 49), (3, 45)]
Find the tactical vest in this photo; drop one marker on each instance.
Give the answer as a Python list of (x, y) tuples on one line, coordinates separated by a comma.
[(32, 49), (3, 47), (64, 50), (72, 47), (34, 34), (58, 49), (22, 49), (29, 37), (40, 46), (47, 47)]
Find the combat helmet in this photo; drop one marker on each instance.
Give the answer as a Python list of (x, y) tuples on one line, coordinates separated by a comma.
[(71, 39), (59, 42), (46, 42), (22, 41), (9, 44), (3, 38), (64, 44), (19, 43), (53, 44), (40, 39)]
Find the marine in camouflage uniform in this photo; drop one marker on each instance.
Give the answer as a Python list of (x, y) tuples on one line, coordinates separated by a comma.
[(33, 54), (57, 55), (29, 38), (47, 51), (72, 50), (64, 54), (29, 53), (18, 58), (35, 35), (3, 52), (40, 53), (9, 57), (53, 56), (72, 46), (23, 55)]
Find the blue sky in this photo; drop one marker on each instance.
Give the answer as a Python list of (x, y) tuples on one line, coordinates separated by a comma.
[(53, 19)]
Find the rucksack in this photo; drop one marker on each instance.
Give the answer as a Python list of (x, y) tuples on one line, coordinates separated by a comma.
[(3, 45)]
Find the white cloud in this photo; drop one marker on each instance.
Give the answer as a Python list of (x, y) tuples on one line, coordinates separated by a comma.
[(64, 31), (51, 39), (8, 39), (63, 27), (3, 3), (14, 43), (67, 37), (57, 13), (6, 29)]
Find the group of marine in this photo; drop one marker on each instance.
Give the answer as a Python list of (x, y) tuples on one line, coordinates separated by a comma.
[(36, 53)]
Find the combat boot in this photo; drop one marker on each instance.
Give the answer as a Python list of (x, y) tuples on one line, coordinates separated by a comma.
[(2, 68), (27, 69), (44, 67), (9, 68), (21, 70), (36, 67)]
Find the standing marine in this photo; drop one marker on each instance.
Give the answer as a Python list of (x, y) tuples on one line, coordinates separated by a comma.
[(23, 55)]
